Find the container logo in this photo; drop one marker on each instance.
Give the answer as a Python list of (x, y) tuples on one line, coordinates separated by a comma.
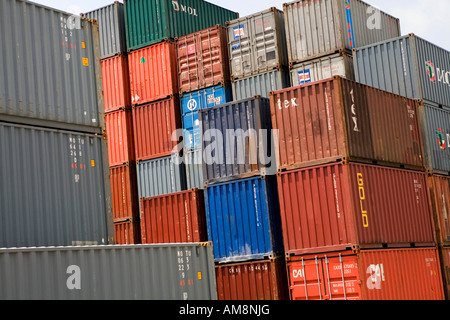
[(179, 7), (348, 13), (239, 32), (440, 136), (304, 77), (437, 74), (430, 71), (362, 198), (192, 105)]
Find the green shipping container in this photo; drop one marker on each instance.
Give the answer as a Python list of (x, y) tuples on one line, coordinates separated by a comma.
[(151, 21)]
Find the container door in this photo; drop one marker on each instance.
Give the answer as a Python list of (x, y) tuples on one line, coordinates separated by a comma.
[(306, 280), (240, 49), (265, 38)]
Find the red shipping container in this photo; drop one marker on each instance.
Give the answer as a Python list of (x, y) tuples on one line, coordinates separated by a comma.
[(153, 73), (127, 232), (393, 274), (445, 267), (124, 192), (116, 83), (119, 129), (339, 119), (440, 196), (340, 206), (202, 59), (251, 281), (154, 125), (174, 218)]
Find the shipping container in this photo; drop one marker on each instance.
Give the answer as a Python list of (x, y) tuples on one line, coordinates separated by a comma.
[(252, 281), (174, 218), (127, 232), (191, 103), (116, 83), (202, 59), (320, 28), (435, 125), (260, 84), (409, 66), (153, 73), (124, 191), (194, 169), (111, 22), (55, 188), (50, 69), (109, 273), (243, 220), (237, 140), (338, 64), (161, 176), (391, 274), (445, 267), (440, 199), (119, 130), (339, 119), (257, 43), (152, 21), (339, 206)]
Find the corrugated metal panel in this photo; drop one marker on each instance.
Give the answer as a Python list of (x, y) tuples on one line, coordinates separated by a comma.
[(339, 64), (194, 169), (116, 83), (153, 73), (111, 21), (319, 28), (174, 218), (57, 77), (152, 21), (445, 267), (242, 141), (160, 176), (257, 43), (435, 125), (261, 84), (191, 103), (127, 232), (440, 198), (119, 129), (124, 192), (409, 66), (400, 274), (243, 219), (54, 188), (203, 59), (109, 273), (154, 127), (339, 206), (252, 281), (341, 119)]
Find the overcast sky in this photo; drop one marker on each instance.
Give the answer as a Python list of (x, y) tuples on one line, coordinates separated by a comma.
[(427, 19)]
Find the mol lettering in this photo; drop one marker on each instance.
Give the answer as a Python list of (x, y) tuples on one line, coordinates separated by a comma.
[(183, 8)]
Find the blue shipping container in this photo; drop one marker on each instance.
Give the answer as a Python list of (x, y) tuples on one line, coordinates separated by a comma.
[(191, 103), (243, 219)]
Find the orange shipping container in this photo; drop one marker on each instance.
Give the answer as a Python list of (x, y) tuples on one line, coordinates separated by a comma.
[(153, 73), (440, 199), (124, 192), (445, 264), (116, 83), (119, 129), (127, 232), (395, 274), (154, 125)]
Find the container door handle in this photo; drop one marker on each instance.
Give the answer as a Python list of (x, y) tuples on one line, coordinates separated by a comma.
[(328, 277), (318, 278), (341, 260), (304, 279)]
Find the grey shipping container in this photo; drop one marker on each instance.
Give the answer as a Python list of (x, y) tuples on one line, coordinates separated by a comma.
[(408, 66), (257, 43), (140, 272), (261, 84), (338, 64), (49, 67), (237, 141), (157, 177), (111, 22), (55, 188), (318, 28), (194, 169), (435, 126)]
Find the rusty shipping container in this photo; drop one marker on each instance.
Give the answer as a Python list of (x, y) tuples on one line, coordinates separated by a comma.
[(202, 59), (251, 281), (339, 119), (393, 274), (440, 199), (127, 232), (116, 83), (174, 218), (124, 192), (339, 206), (445, 267), (154, 126), (153, 73), (119, 130)]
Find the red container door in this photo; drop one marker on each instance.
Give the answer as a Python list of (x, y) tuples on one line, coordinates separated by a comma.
[(124, 192), (127, 232), (445, 267), (119, 129), (440, 194), (116, 83)]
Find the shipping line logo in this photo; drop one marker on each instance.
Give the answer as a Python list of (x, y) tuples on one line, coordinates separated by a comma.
[(183, 8), (437, 74), (441, 138)]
